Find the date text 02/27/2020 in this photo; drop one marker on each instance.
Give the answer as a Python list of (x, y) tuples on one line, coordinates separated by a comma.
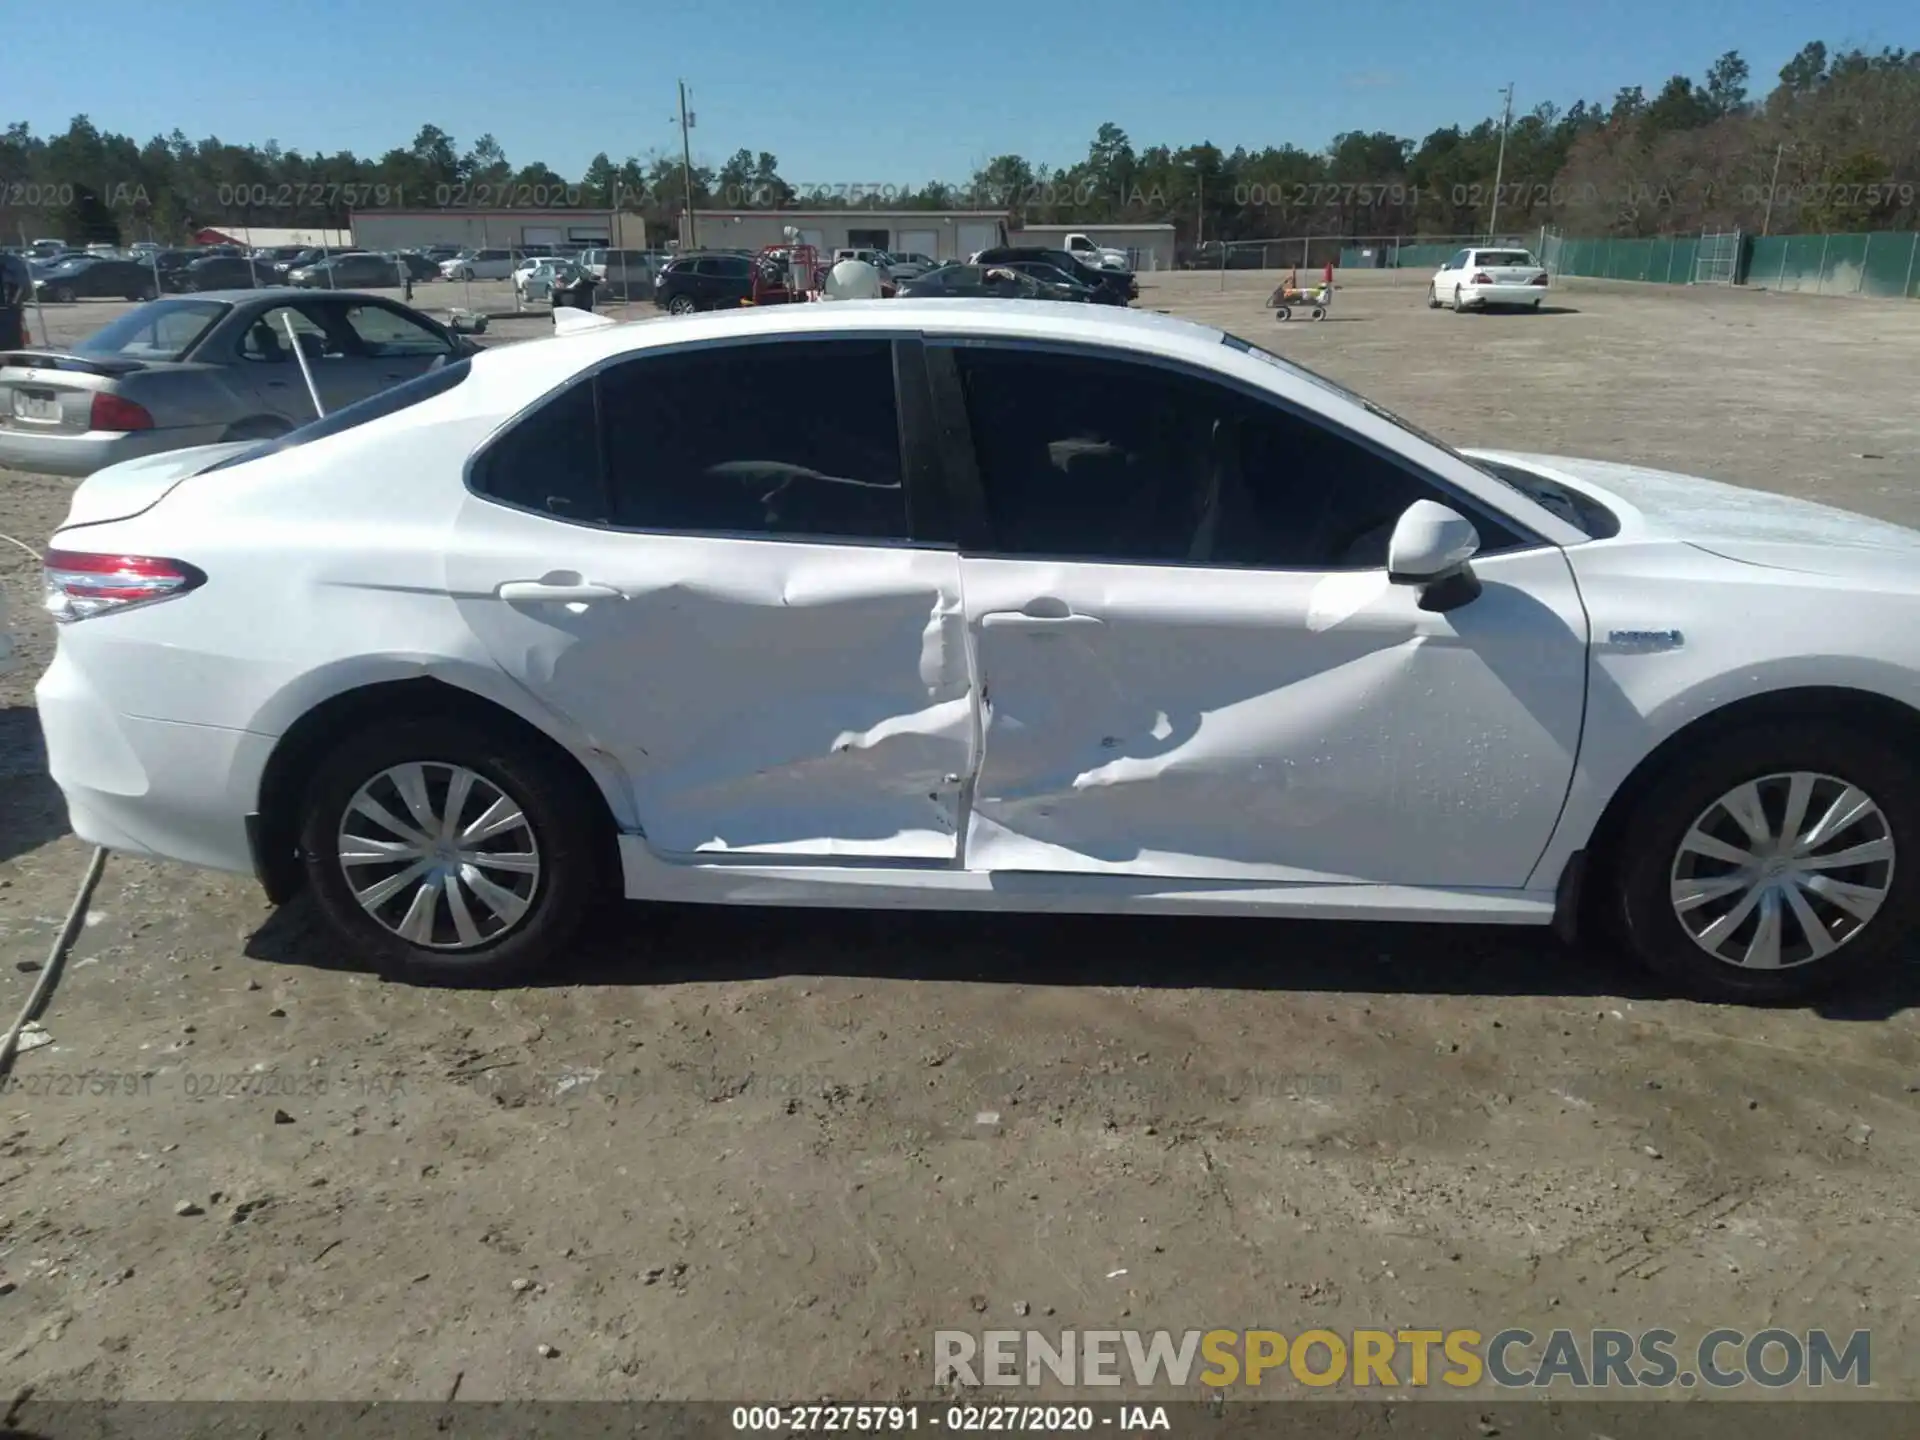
[(954, 1419)]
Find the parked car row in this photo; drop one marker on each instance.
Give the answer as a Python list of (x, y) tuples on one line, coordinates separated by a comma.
[(725, 279)]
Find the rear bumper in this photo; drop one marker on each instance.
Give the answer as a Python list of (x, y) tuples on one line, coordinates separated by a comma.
[(79, 455), (159, 788), (1488, 296)]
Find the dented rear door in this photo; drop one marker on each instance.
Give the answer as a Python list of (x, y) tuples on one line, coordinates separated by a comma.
[(773, 671)]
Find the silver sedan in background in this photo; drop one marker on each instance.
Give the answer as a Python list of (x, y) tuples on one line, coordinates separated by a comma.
[(202, 369)]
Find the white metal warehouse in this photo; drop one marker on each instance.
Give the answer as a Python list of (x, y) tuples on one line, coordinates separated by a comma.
[(940, 234), (497, 229)]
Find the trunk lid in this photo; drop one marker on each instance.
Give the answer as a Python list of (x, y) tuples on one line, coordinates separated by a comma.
[(132, 487)]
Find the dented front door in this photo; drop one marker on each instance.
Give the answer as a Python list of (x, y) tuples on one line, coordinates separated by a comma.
[(808, 700), (1209, 723)]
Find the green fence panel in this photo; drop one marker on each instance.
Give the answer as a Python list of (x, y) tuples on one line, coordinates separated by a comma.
[(1680, 265), (1889, 269), (1843, 264)]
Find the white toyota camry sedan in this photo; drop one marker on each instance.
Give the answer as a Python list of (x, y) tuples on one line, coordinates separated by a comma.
[(983, 605)]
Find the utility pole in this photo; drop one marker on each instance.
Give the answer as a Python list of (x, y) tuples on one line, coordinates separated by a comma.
[(686, 165), (1766, 222), (1500, 165), (1200, 208)]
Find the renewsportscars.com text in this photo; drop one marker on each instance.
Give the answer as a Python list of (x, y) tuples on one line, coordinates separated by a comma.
[(1513, 1358)]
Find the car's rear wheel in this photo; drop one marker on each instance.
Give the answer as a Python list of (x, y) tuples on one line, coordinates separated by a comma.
[(453, 853), (1459, 302), (680, 305), (1775, 863)]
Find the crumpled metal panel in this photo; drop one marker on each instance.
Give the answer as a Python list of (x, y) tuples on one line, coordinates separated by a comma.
[(761, 697), (1268, 725)]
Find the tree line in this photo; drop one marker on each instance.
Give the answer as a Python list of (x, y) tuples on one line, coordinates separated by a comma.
[(1833, 145)]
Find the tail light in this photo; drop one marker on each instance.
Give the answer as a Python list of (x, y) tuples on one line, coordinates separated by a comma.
[(81, 584), (110, 412), (1539, 279), (1480, 277)]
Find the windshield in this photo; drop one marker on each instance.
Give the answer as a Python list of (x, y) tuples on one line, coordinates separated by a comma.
[(163, 330), (1379, 412)]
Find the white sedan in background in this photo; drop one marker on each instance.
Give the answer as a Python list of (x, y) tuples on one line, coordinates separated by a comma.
[(534, 278), (1489, 279), (1056, 608)]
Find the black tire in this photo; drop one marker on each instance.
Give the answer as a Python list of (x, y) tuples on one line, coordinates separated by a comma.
[(558, 808), (1433, 297), (1282, 313), (1536, 307), (62, 295), (1649, 842), (1459, 307), (1319, 312), (681, 305)]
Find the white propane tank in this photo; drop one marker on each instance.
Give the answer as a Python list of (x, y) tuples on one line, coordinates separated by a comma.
[(853, 280)]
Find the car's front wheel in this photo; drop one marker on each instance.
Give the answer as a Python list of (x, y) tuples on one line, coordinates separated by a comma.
[(1433, 297), (451, 852), (1775, 863)]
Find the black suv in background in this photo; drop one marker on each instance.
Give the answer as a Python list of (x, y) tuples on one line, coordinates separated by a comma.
[(706, 280), (1111, 287)]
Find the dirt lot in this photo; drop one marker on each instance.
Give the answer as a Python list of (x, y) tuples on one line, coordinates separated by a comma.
[(813, 1139)]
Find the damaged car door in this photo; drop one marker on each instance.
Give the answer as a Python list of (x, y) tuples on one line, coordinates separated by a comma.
[(1194, 663), (701, 559)]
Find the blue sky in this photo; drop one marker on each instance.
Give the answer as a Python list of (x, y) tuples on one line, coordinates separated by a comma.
[(861, 92)]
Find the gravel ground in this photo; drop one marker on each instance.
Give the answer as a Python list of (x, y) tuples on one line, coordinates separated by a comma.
[(814, 1138)]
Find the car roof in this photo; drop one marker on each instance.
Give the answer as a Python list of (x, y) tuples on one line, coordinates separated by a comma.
[(270, 292), (546, 361)]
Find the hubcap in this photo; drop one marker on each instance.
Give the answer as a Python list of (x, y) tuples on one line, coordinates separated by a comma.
[(439, 855), (1783, 870)]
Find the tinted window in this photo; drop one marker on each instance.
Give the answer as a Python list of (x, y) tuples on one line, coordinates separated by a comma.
[(726, 440), (1113, 459), (548, 460)]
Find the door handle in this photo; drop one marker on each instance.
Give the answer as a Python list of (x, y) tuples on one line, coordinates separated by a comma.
[(1019, 620), (524, 592)]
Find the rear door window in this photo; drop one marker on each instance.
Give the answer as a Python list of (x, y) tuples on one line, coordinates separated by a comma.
[(685, 454), (266, 339)]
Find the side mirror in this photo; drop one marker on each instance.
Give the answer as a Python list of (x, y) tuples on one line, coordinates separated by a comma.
[(1432, 547)]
